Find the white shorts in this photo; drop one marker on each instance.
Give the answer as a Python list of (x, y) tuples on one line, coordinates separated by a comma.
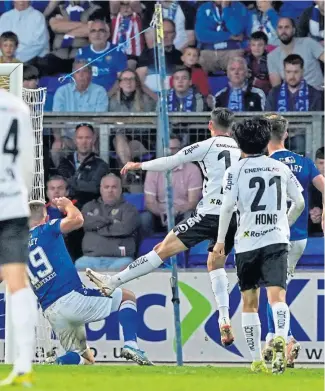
[(70, 313), (296, 249)]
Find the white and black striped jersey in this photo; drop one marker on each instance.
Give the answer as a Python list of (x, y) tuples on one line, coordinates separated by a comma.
[(214, 156), (260, 187), (16, 156)]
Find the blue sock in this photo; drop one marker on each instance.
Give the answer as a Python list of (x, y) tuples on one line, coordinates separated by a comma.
[(270, 321), (128, 318), (70, 358)]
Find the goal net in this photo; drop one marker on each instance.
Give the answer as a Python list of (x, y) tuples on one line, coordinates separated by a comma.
[(11, 79)]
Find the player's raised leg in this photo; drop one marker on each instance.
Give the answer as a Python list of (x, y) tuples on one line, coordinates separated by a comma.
[(143, 265), (14, 250)]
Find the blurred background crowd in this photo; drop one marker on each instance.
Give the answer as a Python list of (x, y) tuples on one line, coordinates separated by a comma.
[(249, 56)]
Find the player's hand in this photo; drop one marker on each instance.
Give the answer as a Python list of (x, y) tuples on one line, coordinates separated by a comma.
[(130, 166), (62, 203), (219, 249)]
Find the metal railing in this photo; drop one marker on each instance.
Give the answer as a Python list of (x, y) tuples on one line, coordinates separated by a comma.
[(306, 130)]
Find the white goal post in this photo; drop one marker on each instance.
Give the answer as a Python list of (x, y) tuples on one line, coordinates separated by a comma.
[(11, 78)]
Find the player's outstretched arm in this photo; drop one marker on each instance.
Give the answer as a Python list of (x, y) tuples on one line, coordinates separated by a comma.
[(74, 219), (192, 153)]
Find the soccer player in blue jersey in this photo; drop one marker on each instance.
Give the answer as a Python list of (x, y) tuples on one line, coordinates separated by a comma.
[(66, 302), (306, 172)]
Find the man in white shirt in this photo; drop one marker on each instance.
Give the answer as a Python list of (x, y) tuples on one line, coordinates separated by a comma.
[(260, 187), (214, 156), (30, 27)]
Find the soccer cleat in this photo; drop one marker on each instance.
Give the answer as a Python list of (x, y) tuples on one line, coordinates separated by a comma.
[(259, 366), (279, 355), (18, 379), (103, 281), (293, 349), (268, 351), (227, 336), (136, 355)]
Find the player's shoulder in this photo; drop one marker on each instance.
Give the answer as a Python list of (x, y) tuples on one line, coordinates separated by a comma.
[(199, 147), (12, 103), (225, 142)]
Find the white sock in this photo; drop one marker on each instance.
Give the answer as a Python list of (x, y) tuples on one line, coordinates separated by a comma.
[(141, 266), (269, 337), (220, 285), (24, 318), (252, 330), (281, 316)]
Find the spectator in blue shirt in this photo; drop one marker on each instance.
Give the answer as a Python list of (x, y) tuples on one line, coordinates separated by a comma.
[(221, 30), (105, 68), (81, 95)]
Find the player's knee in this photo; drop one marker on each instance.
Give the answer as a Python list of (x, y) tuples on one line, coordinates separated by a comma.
[(128, 295), (215, 261), (275, 295), (250, 302)]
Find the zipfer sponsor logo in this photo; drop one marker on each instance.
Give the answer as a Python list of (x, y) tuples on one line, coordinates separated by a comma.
[(190, 149)]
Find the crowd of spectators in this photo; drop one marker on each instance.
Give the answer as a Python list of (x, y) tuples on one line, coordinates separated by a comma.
[(244, 55)]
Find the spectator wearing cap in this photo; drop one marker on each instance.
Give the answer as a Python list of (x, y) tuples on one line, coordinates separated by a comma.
[(221, 29), (183, 96), (82, 169), (106, 61), (311, 22), (316, 202), (110, 225), (257, 62), (81, 95), (310, 50), (294, 94), (265, 19), (240, 95), (30, 27)]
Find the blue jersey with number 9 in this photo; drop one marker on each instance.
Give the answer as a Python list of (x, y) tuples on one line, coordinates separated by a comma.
[(50, 267)]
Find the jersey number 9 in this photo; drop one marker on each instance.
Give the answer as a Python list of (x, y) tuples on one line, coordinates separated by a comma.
[(40, 263)]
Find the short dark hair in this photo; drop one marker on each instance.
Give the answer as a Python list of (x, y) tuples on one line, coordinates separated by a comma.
[(30, 72), (37, 210), (259, 35), (192, 47), (183, 68), (319, 153), (174, 136), (294, 59), (279, 126), (293, 23), (57, 178), (253, 134), (85, 124), (222, 118), (9, 36)]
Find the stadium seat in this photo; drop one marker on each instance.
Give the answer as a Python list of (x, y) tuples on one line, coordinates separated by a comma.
[(217, 83), (313, 256), (135, 199), (52, 84)]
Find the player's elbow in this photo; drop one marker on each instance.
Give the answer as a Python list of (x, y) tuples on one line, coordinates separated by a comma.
[(79, 221)]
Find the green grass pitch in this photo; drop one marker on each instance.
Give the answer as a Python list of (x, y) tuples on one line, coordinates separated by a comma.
[(167, 378)]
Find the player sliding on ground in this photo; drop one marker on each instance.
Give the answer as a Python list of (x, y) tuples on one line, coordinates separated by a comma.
[(214, 155), (16, 177), (260, 187), (306, 172), (66, 302)]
